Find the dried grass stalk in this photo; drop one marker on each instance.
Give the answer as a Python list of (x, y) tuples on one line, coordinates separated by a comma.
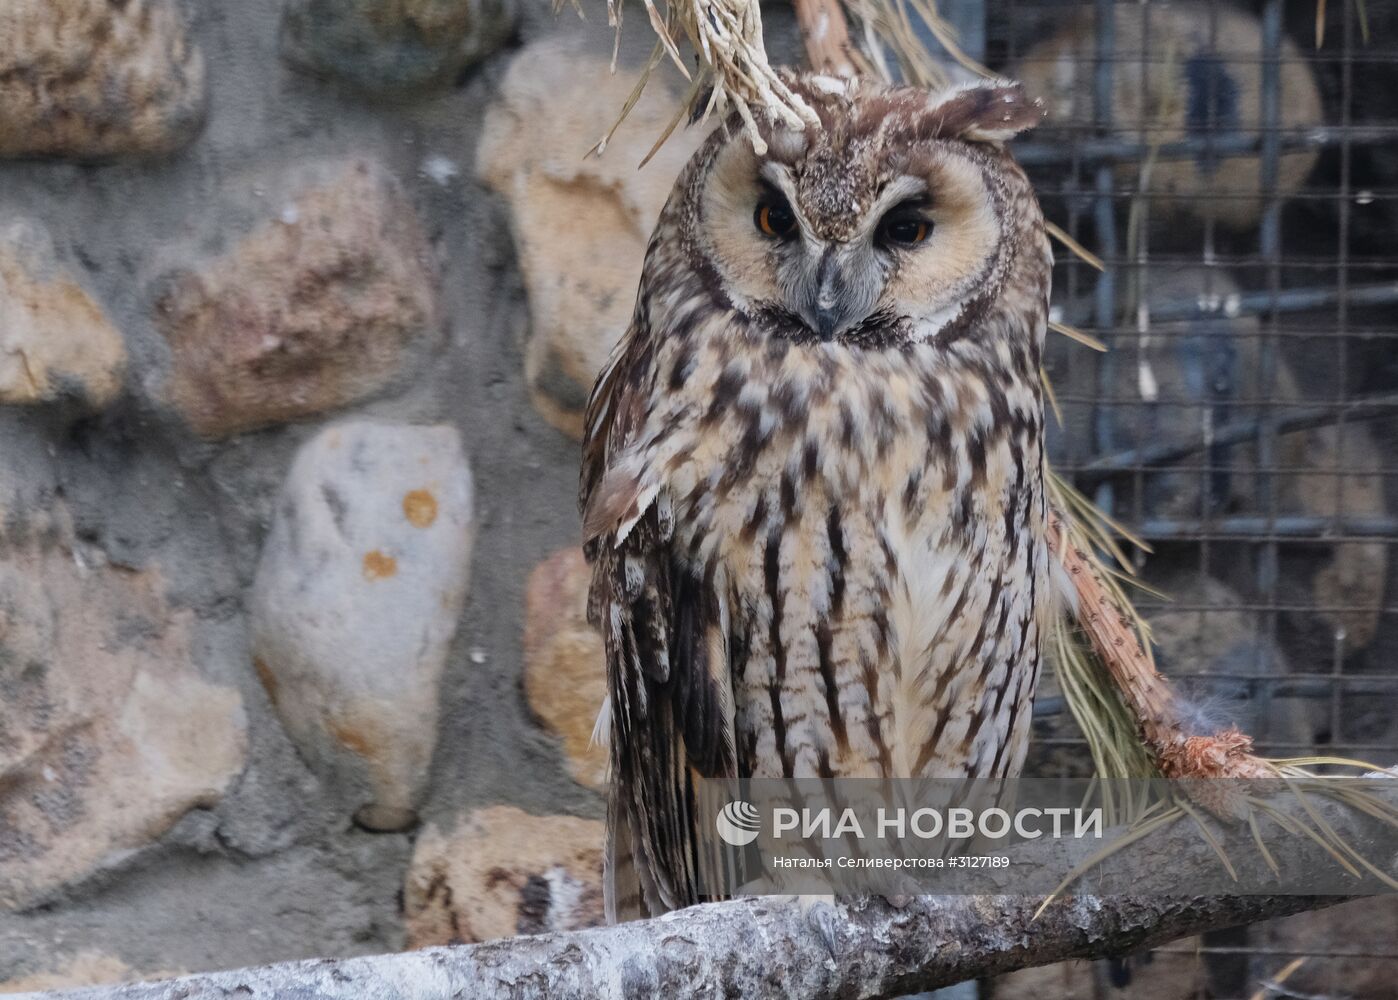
[(726, 38)]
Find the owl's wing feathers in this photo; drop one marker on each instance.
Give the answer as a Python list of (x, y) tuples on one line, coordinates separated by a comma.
[(665, 629)]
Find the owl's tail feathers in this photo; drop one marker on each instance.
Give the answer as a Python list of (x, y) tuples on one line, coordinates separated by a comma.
[(621, 882), (1064, 592)]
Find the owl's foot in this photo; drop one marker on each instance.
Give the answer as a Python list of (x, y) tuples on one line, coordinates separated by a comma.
[(905, 890), (821, 915)]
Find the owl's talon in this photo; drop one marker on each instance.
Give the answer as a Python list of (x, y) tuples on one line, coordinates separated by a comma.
[(905, 890), (821, 916)]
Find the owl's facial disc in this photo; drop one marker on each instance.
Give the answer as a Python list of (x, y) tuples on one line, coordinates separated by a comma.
[(833, 284), (932, 288), (840, 254)]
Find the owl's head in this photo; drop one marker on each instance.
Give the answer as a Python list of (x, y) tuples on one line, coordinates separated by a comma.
[(894, 219)]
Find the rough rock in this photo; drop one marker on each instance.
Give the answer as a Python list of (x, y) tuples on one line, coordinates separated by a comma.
[(501, 872), (55, 340), (1362, 927), (313, 310), (580, 225), (393, 45), (356, 599), (1184, 88), (1165, 975), (96, 78), (1182, 970), (1205, 372), (1212, 650), (564, 667), (85, 968), (108, 735), (1208, 643)]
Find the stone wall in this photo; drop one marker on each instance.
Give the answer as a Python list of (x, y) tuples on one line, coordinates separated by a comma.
[(292, 651)]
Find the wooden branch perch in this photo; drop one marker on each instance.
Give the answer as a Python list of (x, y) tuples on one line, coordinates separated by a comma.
[(752, 948), (766, 947)]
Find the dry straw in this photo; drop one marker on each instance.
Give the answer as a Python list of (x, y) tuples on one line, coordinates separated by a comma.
[(730, 61)]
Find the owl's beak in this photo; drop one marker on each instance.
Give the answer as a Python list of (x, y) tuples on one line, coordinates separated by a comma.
[(827, 322), (828, 311)]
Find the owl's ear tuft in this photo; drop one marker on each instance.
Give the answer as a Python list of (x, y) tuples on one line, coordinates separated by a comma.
[(985, 111)]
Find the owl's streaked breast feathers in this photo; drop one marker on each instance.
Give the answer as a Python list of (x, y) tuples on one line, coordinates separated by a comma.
[(812, 481)]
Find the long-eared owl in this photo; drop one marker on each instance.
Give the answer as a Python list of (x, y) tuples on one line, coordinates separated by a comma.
[(813, 482)]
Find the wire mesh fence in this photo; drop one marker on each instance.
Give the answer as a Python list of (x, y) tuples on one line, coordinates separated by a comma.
[(1235, 168)]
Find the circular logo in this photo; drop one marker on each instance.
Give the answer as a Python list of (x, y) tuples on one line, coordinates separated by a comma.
[(738, 823)]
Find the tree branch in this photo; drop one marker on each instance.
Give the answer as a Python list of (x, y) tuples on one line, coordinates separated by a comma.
[(753, 948), (825, 33), (1118, 643), (768, 947)]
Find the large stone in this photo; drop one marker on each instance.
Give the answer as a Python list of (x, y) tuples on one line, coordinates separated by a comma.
[(391, 45), (1166, 975), (97, 78), (1209, 644), (355, 602), (1203, 74), (502, 872), (85, 968), (314, 309), (55, 340), (1191, 375), (108, 735), (564, 667), (1333, 941), (580, 223), (1329, 940)]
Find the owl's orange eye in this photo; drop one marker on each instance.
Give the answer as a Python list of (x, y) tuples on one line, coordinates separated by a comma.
[(904, 230), (775, 219)]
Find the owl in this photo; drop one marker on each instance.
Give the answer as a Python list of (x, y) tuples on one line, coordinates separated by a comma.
[(813, 481)]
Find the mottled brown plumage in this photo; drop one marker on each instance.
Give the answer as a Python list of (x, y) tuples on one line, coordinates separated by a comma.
[(812, 481)]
